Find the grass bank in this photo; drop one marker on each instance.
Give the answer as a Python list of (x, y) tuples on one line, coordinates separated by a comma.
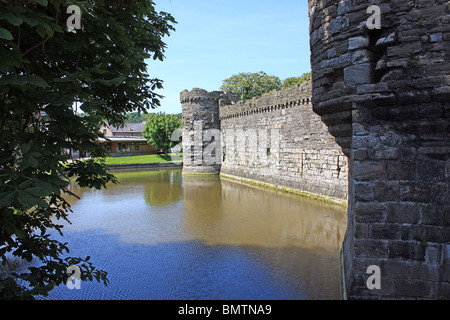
[(149, 158)]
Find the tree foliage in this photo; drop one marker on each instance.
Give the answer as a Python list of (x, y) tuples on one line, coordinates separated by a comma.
[(247, 85), (161, 130), (44, 68), (135, 117), (292, 81)]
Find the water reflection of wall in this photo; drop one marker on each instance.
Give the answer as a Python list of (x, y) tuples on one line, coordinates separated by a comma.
[(202, 197), (231, 213), (164, 188)]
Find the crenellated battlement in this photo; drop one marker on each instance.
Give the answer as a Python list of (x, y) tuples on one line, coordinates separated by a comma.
[(267, 102), (198, 94)]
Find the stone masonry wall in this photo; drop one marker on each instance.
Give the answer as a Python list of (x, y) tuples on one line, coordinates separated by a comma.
[(200, 112), (384, 94), (278, 139)]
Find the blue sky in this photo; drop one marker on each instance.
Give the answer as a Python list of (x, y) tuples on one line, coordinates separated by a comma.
[(215, 39)]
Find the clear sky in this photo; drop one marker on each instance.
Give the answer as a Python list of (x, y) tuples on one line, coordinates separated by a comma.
[(215, 39)]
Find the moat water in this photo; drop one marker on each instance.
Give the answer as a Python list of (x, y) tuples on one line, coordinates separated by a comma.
[(161, 236)]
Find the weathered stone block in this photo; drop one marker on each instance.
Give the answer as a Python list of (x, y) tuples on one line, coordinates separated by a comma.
[(414, 288), (431, 170), (426, 234), (444, 289), (384, 41), (399, 250), (369, 170), (385, 231), (402, 213), (384, 153), (359, 154), (436, 37), (394, 269), (358, 43), (446, 216), (344, 6), (384, 99), (433, 253), (422, 271), (359, 130), (417, 192), (387, 191), (367, 212), (364, 191), (361, 231), (401, 170), (404, 50), (371, 249), (432, 215), (338, 24), (417, 251), (359, 74)]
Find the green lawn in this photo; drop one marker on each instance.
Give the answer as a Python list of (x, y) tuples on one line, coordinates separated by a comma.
[(151, 158)]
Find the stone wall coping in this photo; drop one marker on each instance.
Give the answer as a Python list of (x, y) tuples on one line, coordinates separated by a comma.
[(271, 101)]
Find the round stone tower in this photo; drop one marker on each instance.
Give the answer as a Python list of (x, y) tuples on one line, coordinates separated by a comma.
[(201, 131), (381, 82)]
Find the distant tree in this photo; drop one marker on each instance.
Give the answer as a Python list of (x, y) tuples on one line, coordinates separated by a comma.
[(248, 85), (159, 130), (292, 81), (135, 117), (44, 68)]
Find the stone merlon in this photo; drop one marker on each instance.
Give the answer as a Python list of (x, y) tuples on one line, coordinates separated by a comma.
[(199, 94)]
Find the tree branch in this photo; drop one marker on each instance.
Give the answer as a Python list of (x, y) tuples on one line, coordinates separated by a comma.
[(35, 46)]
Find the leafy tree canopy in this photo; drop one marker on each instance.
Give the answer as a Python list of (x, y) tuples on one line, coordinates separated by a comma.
[(44, 68), (161, 130), (292, 81), (135, 117), (247, 85)]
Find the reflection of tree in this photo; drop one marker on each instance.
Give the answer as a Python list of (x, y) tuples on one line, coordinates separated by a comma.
[(160, 187)]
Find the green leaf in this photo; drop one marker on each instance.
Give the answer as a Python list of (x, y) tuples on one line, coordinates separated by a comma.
[(11, 17), (37, 81), (37, 192), (6, 198), (111, 82), (30, 200), (42, 2), (41, 31), (25, 184), (47, 186), (19, 81), (29, 162), (25, 148), (25, 199), (5, 34), (31, 21)]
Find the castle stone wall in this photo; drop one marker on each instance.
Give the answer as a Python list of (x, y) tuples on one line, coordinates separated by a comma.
[(384, 94), (200, 112), (277, 139)]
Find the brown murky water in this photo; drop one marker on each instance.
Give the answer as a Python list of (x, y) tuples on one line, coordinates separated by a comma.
[(160, 235)]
